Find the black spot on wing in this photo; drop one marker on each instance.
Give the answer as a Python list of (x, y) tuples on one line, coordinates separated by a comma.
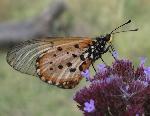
[(51, 69), (54, 55), (60, 66), (82, 57), (74, 55), (59, 49), (72, 69), (51, 62), (93, 42), (69, 64), (80, 68), (76, 45)]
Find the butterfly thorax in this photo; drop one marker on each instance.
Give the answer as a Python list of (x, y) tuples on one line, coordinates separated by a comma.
[(98, 47)]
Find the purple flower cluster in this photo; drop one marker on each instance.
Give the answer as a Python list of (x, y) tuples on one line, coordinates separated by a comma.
[(117, 90)]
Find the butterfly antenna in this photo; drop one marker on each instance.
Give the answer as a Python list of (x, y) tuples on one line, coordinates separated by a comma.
[(129, 21), (126, 31)]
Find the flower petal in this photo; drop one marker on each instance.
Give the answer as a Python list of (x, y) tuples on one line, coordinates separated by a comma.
[(142, 61), (86, 104), (101, 67), (115, 54), (86, 74), (89, 106), (91, 102)]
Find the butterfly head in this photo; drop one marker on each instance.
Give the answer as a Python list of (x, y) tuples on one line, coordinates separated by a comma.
[(108, 38)]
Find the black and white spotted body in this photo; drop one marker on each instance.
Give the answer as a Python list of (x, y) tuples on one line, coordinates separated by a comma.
[(99, 47)]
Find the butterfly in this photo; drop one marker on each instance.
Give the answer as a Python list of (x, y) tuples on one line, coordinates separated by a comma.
[(60, 60)]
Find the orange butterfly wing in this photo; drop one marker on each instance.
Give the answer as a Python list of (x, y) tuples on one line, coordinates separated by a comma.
[(54, 60)]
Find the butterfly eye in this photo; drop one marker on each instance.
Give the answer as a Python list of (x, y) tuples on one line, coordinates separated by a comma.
[(107, 37)]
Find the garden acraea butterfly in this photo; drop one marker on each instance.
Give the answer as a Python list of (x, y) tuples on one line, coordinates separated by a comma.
[(60, 60)]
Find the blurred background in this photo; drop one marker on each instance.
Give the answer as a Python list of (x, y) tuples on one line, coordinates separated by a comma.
[(24, 95)]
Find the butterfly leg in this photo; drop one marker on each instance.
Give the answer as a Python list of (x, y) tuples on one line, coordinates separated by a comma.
[(93, 67), (103, 60), (112, 50), (106, 50), (112, 54)]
